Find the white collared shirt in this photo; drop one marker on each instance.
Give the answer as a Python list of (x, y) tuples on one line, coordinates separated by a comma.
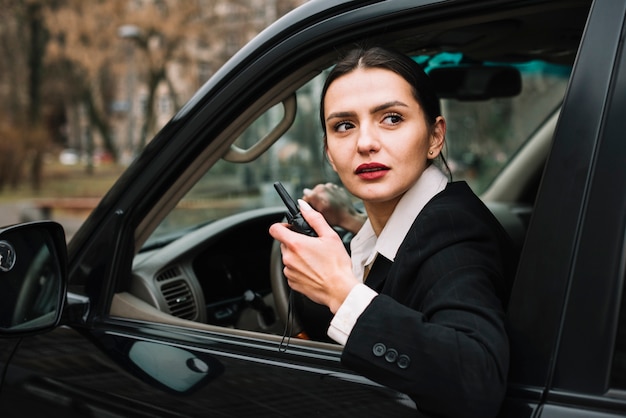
[(365, 246)]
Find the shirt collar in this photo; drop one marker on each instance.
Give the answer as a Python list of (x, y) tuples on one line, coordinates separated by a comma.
[(365, 245)]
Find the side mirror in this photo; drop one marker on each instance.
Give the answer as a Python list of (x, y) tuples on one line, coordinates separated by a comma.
[(33, 277)]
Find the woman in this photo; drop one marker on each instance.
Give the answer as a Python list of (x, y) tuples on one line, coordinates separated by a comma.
[(419, 304)]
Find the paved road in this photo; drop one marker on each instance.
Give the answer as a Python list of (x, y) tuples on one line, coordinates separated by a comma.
[(16, 212), (9, 213)]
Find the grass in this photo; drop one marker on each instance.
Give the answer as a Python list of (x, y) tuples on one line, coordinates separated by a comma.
[(62, 181)]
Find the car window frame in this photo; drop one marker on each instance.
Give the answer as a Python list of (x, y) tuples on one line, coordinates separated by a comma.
[(593, 330), (568, 216)]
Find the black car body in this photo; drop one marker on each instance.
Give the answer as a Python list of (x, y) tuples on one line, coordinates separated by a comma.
[(125, 348)]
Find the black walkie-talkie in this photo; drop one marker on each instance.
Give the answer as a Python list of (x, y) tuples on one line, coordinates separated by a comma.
[(294, 217)]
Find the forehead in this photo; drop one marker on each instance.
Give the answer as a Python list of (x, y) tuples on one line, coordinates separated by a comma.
[(367, 86)]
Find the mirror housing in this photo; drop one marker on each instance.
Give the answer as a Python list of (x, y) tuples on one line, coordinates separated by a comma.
[(476, 82), (33, 277)]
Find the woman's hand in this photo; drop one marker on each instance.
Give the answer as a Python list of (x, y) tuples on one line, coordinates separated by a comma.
[(334, 203), (318, 267)]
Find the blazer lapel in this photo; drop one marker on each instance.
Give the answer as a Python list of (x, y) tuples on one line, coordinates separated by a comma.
[(378, 273)]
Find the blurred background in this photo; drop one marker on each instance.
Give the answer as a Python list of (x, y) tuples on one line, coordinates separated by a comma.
[(85, 85)]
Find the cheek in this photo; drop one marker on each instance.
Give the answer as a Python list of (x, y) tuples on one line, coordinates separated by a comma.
[(335, 153), (412, 155)]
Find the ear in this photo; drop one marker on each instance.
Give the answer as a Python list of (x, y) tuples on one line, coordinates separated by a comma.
[(437, 138)]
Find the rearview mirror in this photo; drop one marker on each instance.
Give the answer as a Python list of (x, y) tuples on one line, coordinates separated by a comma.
[(33, 274), (476, 82)]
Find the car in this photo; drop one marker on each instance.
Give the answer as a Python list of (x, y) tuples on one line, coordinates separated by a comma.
[(69, 157), (170, 300)]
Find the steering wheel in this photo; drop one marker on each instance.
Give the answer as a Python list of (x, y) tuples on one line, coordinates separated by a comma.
[(302, 315)]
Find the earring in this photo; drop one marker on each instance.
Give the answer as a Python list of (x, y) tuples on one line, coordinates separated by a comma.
[(430, 152)]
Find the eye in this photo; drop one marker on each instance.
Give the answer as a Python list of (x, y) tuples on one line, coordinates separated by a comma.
[(392, 119), (343, 126)]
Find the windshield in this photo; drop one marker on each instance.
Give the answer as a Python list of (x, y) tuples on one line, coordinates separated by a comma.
[(482, 137)]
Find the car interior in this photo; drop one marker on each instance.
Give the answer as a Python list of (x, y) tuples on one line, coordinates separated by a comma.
[(204, 258)]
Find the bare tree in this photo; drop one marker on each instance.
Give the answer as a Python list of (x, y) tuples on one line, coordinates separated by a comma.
[(177, 45), (87, 35), (162, 30), (23, 136), (82, 42)]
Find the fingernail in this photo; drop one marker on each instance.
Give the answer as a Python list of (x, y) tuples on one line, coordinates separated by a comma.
[(304, 205), (306, 191)]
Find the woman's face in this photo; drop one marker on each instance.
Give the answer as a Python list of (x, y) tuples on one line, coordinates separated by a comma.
[(378, 140)]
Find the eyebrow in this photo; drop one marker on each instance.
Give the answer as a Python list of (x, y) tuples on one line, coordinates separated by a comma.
[(388, 105), (376, 109)]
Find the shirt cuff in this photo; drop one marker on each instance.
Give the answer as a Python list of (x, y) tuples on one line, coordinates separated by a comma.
[(344, 320)]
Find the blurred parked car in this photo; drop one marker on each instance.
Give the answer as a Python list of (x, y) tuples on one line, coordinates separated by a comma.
[(69, 157), (172, 300)]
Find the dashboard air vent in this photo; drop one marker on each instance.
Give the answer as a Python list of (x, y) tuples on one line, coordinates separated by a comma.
[(179, 299), (170, 273)]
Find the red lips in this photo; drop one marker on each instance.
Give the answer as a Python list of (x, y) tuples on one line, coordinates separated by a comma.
[(371, 171)]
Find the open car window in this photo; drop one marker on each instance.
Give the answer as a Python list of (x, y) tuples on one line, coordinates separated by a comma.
[(203, 252), (482, 137), (211, 259)]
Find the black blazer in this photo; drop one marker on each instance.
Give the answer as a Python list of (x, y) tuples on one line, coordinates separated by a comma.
[(436, 331)]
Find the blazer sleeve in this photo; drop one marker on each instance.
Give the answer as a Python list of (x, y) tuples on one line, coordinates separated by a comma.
[(436, 332)]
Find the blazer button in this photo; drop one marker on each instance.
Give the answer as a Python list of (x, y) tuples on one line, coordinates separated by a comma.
[(404, 361), (391, 355), (379, 349)]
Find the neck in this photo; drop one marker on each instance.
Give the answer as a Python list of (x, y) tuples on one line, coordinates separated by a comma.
[(379, 213)]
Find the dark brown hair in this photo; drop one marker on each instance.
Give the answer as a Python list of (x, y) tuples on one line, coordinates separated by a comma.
[(387, 59)]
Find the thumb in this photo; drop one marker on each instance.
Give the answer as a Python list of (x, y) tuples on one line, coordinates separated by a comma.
[(314, 218)]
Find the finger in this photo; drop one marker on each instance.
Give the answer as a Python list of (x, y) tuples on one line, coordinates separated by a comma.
[(280, 231), (314, 219), (320, 188)]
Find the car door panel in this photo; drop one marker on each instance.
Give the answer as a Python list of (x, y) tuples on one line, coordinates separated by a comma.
[(554, 411), (70, 373)]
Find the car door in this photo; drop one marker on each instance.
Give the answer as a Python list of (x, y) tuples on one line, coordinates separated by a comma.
[(565, 307), (107, 365)]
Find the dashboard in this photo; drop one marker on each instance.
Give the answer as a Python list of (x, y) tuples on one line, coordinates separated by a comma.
[(218, 274)]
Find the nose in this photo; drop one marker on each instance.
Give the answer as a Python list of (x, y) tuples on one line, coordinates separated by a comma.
[(368, 140)]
